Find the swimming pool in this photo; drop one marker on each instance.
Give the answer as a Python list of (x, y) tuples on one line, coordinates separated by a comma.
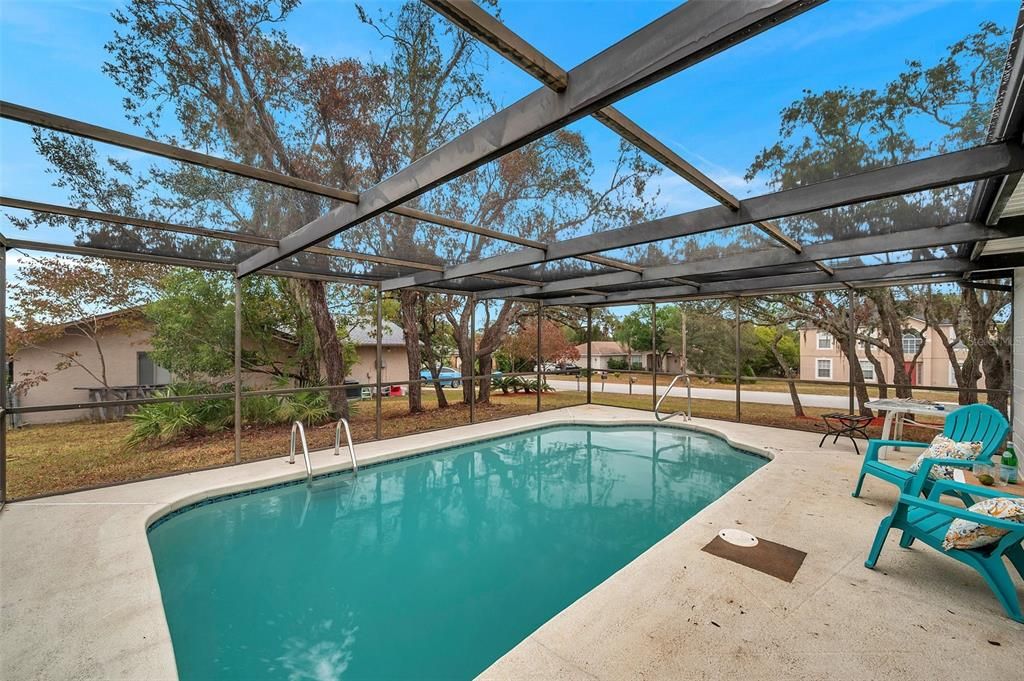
[(427, 567)]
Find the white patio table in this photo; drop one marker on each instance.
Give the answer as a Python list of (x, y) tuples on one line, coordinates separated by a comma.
[(896, 410)]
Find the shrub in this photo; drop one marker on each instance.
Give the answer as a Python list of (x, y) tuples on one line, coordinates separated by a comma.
[(310, 407), (507, 383), (165, 421), (261, 409), (530, 386)]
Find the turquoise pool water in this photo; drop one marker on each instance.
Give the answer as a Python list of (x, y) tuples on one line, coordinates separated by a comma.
[(432, 567)]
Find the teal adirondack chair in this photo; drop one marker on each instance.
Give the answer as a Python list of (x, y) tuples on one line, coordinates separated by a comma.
[(973, 423), (928, 519)]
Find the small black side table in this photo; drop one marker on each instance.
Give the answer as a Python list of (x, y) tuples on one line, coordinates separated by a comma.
[(845, 425)]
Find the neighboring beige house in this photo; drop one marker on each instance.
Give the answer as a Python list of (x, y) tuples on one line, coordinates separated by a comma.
[(603, 351), (132, 373), (394, 360), (822, 359), (127, 364)]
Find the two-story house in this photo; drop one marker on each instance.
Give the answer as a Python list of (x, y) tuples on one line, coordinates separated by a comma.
[(822, 359)]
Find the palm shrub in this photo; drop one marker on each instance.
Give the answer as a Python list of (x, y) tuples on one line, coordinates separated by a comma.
[(165, 421), (309, 406), (507, 383), (261, 410), (532, 385)]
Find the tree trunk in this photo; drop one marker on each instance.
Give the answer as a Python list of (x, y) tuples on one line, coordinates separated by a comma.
[(330, 348), (787, 371), (883, 385), (486, 363), (442, 399), (465, 341), (993, 347), (428, 330), (409, 301), (494, 335), (860, 388), (996, 372), (965, 374), (892, 331)]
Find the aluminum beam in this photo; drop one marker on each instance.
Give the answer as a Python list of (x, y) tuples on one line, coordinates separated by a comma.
[(926, 237), (117, 255), (473, 19), (611, 262), (929, 173), (989, 197), (643, 140), (468, 16), (868, 273), (221, 234), (683, 37), (43, 119), (237, 237), (114, 254)]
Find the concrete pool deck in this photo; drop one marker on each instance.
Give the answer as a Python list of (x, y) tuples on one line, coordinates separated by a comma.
[(80, 599)]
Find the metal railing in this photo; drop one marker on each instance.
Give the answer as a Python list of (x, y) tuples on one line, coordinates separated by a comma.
[(348, 436), (297, 428), (689, 400)]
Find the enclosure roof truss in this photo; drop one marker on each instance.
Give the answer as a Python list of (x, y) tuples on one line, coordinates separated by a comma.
[(693, 32)]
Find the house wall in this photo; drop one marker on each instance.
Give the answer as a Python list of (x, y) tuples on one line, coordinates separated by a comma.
[(933, 364), (1018, 360), (600, 362), (395, 366), (119, 352)]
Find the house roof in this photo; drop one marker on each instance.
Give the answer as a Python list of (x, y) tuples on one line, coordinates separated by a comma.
[(367, 335), (605, 349)]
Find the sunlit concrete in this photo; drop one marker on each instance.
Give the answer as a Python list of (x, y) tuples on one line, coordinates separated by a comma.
[(679, 613), (80, 599)]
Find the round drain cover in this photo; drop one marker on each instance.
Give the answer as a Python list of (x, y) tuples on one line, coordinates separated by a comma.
[(738, 538)]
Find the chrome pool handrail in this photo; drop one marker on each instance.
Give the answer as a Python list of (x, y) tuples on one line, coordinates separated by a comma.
[(348, 436), (689, 400), (297, 427)]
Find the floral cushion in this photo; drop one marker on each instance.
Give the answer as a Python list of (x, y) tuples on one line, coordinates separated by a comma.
[(967, 534), (944, 448)]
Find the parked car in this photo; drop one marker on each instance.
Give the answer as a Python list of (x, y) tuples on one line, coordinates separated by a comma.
[(563, 368), (448, 377)]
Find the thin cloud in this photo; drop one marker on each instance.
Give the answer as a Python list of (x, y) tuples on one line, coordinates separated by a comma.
[(871, 16)]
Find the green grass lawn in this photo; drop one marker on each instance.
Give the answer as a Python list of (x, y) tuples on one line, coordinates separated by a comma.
[(45, 459)]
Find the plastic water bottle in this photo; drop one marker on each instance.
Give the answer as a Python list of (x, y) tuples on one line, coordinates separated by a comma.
[(1008, 465)]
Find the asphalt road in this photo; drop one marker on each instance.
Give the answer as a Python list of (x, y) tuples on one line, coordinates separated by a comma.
[(723, 394)]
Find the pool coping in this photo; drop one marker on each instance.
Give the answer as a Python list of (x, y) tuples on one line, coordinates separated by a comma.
[(345, 467), (509, 426), (151, 500)]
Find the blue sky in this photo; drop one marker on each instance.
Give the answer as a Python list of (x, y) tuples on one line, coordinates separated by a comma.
[(718, 114)]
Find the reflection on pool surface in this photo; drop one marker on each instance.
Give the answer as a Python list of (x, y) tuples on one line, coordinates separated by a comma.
[(432, 567)]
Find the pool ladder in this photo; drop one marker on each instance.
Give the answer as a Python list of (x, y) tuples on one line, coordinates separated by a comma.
[(297, 428), (689, 400)]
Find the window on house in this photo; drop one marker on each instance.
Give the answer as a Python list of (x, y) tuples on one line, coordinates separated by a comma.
[(824, 368), (151, 373), (824, 340), (911, 343), (868, 369)]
